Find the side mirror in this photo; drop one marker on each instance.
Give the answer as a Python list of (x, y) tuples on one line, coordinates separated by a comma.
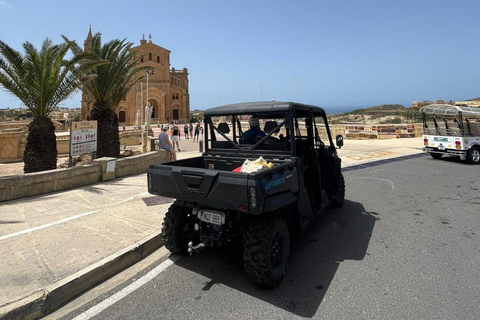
[(339, 140)]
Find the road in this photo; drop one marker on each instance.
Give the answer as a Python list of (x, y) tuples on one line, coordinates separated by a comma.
[(405, 245)]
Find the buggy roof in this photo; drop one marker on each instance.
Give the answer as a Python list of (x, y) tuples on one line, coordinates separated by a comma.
[(449, 110), (259, 107)]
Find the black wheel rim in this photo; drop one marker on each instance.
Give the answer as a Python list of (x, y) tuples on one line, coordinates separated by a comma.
[(276, 252)]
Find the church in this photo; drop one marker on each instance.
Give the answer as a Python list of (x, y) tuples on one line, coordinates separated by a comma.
[(167, 88)]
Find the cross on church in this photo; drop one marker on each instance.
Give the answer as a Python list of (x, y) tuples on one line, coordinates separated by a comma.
[(150, 37)]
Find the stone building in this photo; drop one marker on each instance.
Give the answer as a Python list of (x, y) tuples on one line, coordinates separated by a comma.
[(167, 88)]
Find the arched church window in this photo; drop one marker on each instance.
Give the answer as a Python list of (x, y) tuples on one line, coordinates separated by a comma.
[(150, 56), (173, 96), (176, 96), (141, 59), (158, 59)]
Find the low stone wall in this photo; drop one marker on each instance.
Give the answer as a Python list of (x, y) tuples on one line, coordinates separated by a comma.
[(11, 146), (139, 164), (364, 131), (130, 138), (32, 184)]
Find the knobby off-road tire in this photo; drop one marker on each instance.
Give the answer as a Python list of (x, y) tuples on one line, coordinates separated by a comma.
[(340, 197), (473, 155), (266, 250), (177, 229), (436, 155)]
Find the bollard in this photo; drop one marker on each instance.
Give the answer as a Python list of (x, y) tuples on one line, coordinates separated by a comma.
[(200, 145)]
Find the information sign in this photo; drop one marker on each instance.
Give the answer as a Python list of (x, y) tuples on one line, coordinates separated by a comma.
[(83, 137)]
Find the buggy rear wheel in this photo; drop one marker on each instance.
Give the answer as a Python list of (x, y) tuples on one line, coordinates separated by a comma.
[(177, 229), (266, 250), (436, 155)]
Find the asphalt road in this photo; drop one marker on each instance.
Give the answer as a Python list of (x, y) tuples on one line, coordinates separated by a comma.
[(405, 245)]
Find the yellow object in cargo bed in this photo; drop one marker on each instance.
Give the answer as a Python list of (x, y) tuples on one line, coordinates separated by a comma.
[(255, 165)]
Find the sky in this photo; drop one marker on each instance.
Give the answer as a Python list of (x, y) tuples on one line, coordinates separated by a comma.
[(336, 54)]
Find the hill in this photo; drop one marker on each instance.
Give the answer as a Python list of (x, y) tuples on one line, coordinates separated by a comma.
[(383, 114)]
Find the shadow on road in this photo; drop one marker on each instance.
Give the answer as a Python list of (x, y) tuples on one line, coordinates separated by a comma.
[(339, 235)]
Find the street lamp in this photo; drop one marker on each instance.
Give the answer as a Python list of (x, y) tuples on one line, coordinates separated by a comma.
[(148, 73)]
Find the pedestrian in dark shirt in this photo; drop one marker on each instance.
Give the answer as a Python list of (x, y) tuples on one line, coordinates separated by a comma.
[(197, 132), (176, 137)]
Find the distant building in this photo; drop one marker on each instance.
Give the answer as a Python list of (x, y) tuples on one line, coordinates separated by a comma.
[(474, 103), (167, 93), (419, 104)]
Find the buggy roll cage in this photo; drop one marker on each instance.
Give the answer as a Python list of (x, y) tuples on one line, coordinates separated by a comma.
[(460, 113), (235, 122)]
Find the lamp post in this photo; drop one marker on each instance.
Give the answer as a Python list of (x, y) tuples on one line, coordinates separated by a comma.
[(148, 73)]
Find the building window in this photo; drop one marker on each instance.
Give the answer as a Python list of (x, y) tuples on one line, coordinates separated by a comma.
[(141, 59), (158, 59), (150, 56)]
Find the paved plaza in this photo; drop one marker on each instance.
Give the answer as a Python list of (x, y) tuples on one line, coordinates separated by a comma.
[(57, 236)]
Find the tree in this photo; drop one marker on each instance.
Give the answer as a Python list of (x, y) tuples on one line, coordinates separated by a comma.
[(112, 82), (41, 80)]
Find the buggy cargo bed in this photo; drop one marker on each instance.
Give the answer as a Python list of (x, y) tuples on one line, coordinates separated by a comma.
[(210, 181)]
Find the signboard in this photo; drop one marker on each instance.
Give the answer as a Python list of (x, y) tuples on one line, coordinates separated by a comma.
[(111, 166), (83, 137)]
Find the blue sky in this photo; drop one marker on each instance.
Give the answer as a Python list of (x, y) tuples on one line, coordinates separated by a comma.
[(341, 53)]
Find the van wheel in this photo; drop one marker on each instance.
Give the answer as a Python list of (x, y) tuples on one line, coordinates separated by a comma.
[(266, 250), (339, 199), (177, 229), (473, 155), (436, 155)]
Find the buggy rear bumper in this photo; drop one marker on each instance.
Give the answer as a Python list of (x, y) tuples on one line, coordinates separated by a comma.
[(454, 152)]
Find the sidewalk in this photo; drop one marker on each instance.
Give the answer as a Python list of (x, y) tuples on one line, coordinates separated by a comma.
[(57, 245)]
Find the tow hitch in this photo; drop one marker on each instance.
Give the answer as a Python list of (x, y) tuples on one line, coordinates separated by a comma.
[(199, 247)]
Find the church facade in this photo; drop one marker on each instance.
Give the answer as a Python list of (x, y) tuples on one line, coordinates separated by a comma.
[(167, 89)]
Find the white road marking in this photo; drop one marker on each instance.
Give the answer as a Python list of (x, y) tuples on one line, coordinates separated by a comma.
[(93, 311), (129, 199), (15, 234), (11, 235)]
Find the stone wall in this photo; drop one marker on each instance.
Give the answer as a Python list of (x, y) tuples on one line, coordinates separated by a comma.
[(131, 138), (11, 144), (32, 184)]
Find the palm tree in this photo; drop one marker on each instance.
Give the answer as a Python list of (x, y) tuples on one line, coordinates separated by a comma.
[(40, 80), (111, 84)]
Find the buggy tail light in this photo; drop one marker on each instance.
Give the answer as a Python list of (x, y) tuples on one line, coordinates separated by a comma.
[(253, 197), (425, 142), (458, 144)]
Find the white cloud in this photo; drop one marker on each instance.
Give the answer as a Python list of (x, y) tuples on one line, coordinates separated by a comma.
[(6, 5)]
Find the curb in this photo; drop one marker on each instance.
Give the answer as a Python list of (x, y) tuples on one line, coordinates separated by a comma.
[(52, 297)]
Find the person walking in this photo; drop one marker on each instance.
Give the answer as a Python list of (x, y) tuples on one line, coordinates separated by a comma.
[(164, 143), (185, 129), (176, 137), (197, 132), (190, 128)]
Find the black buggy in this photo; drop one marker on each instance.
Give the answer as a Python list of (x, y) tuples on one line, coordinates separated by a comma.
[(217, 205)]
